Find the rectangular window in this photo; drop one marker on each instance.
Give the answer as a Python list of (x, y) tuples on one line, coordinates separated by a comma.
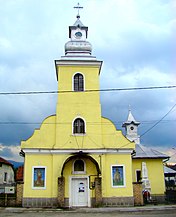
[(5, 177), (118, 175), (138, 175), (39, 177)]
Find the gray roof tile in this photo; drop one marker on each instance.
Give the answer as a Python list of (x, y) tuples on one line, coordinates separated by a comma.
[(144, 152)]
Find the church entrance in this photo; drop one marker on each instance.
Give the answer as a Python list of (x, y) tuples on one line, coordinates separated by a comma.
[(79, 192), (79, 172)]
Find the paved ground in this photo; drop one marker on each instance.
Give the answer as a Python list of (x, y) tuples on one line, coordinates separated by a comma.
[(146, 211), (41, 214)]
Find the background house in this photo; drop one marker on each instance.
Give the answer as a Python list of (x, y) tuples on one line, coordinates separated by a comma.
[(7, 183), (6, 174), (147, 163)]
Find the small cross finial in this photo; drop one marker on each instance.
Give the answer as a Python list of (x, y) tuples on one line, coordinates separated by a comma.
[(129, 108), (78, 7)]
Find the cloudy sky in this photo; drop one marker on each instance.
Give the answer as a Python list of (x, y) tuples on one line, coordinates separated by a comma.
[(134, 38)]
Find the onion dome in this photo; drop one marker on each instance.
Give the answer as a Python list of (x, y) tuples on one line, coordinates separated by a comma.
[(78, 45)]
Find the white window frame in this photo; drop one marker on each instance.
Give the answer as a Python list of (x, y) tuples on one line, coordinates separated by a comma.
[(124, 176), (84, 88), (79, 172), (78, 134), (33, 169)]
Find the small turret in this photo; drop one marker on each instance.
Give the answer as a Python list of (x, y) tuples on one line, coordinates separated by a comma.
[(78, 45), (131, 127)]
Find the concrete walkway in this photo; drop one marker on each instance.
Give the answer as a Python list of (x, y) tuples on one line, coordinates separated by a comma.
[(92, 210), (130, 209)]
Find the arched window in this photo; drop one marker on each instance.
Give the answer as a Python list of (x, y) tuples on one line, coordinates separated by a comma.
[(79, 166), (78, 126), (78, 82)]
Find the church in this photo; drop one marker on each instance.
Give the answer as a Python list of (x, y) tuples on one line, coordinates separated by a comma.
[(78, 158)]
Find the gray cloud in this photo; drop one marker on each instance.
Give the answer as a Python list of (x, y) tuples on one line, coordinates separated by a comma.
[(134, 40)]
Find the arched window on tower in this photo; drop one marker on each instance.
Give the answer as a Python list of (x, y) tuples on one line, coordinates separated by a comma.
[(78, 126), (78, 82)]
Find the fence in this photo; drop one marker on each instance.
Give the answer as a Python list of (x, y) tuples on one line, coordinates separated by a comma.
[(12, 199)]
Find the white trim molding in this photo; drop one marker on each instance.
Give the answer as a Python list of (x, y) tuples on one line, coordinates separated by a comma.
[(82, 151)]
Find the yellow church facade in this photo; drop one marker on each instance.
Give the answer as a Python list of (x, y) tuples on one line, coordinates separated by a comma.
[(78, 158)]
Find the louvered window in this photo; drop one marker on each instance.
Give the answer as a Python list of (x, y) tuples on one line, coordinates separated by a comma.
[(78, 82)]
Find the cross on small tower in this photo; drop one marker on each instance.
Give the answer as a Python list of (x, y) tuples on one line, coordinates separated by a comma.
[(78, 7)]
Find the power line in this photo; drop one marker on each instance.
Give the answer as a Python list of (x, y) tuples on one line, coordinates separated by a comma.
[(93, 90), (153, 125), (158, 121), (89, 123)]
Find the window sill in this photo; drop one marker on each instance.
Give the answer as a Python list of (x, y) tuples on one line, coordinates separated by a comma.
[(79, 173), (79, 134)]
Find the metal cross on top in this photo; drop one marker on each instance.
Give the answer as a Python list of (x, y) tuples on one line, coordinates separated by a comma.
[(78, 7)]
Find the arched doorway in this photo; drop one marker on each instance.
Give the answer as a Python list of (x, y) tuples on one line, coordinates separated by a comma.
[(79, 171)]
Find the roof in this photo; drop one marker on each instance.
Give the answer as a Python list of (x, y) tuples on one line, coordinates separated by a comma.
[(144, 152), (2, 160), (130, 120), (19, 173), (168, 170), (78, 23)]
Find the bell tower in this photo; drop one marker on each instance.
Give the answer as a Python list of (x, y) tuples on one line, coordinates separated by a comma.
[(78, 104), (131, 128)]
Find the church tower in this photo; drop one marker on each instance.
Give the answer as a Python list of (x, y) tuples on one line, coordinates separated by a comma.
[(78, 85), (131, 128)]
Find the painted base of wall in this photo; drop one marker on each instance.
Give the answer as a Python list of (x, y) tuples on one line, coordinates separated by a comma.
[(118, 201), (159, 198), (108, 201), (40, 202), (53, 202)]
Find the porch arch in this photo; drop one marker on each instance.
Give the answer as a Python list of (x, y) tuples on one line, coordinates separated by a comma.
[(82, 156)]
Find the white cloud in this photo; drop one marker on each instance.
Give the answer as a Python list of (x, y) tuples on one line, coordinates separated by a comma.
[(11, 153)]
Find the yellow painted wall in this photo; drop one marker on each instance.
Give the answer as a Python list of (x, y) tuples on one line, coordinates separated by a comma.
[(54, 164), (43, 137), (107, 189), (55, 133), (37, 160), (112, 138), (155, 174), (78, 104)]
